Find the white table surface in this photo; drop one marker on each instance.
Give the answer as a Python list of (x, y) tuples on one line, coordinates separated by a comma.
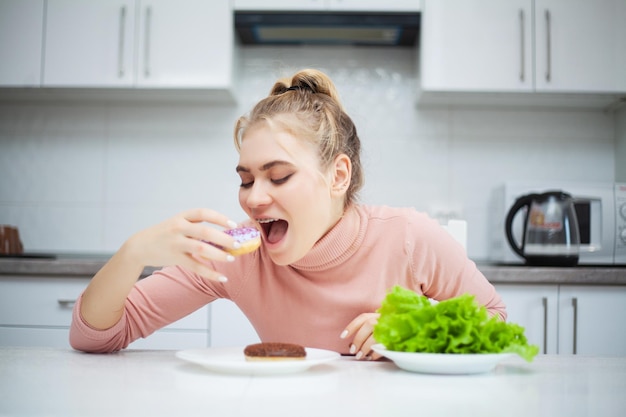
[(62, 382)]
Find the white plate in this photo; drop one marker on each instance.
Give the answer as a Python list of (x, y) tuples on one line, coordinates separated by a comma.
[(443, 363), (232, 361)]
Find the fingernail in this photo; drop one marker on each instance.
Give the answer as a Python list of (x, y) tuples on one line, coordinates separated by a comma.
[(222, 279), (359, 355), (343, 334), (352, 349), (232, 224), (230, 258)]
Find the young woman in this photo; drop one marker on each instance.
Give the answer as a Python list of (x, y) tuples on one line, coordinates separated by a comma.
[(326, 261)]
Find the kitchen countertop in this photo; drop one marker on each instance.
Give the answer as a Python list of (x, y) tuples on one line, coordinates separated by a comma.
[(62, 382), (67, 265), (87, 266)]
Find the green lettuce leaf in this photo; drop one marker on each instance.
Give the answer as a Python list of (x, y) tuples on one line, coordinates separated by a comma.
[(410, 323)]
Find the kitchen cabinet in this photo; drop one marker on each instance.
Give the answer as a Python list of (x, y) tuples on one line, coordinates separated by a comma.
[(325, 5), (185, 44), (138, 43), (571, 46), (569, 319), (21, 34), (37, 311), (591, 320), (89, 44), (580, 45)]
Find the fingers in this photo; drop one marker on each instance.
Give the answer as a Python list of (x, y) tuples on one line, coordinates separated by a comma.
[(202, 250), (360, 329), (193, 225), (187, 239), (207, 215)]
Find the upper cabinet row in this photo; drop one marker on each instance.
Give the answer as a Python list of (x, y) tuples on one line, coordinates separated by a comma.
[(524, 46), (484, 46), (126, 43)]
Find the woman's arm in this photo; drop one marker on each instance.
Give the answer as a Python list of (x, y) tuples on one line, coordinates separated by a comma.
[(176, 241), (444, 270)]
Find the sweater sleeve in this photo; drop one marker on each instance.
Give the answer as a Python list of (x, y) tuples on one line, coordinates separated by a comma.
[(154, 302), (443, 270)]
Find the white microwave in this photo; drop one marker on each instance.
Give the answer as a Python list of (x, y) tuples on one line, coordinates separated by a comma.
[(600, 210)]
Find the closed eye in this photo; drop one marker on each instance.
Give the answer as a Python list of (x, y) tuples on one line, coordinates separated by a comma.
[(282, 180)]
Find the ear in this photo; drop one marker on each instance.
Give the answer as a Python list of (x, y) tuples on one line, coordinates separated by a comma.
[(341, 175)]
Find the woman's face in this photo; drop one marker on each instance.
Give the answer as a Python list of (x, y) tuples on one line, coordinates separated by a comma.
[(284, 191)]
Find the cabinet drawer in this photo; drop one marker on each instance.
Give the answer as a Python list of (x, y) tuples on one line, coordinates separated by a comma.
[(48, 301), (59, 338)]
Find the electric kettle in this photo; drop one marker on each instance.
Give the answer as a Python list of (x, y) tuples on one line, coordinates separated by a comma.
[(550, 230)]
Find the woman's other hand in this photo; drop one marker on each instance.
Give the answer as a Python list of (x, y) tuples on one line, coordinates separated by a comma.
[(360, 330)]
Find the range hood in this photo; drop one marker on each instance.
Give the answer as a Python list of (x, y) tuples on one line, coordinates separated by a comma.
[(327, 28)]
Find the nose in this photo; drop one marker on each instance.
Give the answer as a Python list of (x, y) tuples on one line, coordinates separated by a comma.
[(257, 195)]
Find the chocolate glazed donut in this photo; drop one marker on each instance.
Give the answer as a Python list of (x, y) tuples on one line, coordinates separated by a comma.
[(273, 351)]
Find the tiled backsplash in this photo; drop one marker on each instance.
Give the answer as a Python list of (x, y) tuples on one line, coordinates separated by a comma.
[(82, 177)]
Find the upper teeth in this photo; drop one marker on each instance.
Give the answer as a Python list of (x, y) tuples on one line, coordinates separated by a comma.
[(266, 220)]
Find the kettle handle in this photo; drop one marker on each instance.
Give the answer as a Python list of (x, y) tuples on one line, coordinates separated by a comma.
[(521, 202)]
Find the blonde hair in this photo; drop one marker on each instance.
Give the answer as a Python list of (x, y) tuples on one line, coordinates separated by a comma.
[(318, 116)]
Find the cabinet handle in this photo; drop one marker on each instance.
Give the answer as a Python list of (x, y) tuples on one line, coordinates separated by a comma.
[(146, 55), (66, 303), (548, 46), (120, 48), (522, 25), (575, 341), (544, 301)]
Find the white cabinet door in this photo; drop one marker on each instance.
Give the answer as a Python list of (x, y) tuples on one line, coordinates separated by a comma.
[(21, 34), (592, 320), (534, 307), (89, 44), (187, 43), (580, 45), (476, 45)]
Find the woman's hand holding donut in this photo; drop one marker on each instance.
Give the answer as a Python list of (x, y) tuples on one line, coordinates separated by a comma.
[(360, 330), (176, 241), (182, 240)]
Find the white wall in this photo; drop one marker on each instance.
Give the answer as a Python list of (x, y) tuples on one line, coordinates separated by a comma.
[(83, 177)]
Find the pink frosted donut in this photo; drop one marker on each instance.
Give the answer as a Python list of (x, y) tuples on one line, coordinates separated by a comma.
[(248, 237)]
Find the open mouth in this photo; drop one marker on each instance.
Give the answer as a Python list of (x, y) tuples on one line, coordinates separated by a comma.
[(273, 229)]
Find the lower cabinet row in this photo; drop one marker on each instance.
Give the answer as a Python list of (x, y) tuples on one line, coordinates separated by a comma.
[(569, 319), (563, 319)]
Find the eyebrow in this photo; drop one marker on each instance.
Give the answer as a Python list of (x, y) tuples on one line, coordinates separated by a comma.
[(265, 167)]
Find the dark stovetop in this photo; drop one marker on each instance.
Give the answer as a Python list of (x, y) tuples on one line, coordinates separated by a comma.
[(28, 256)]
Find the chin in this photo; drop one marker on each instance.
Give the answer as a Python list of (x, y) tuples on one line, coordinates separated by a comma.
[(283, 259), (286, 257)]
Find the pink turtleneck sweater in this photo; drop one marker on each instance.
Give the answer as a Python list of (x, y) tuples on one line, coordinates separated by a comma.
[(348, 272)]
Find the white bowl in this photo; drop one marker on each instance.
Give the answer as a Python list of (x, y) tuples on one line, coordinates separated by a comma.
[(443, 363)]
